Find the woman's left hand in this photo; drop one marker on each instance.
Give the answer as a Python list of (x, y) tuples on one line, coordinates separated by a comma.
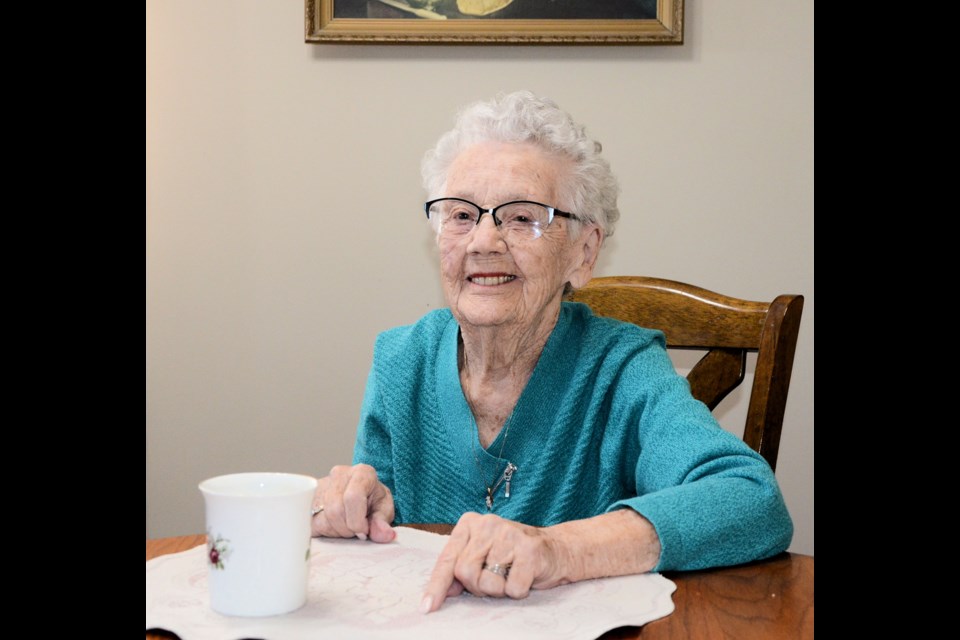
[(490, 556)]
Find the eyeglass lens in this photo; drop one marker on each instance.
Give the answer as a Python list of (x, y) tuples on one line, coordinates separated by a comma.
[(515, 219)]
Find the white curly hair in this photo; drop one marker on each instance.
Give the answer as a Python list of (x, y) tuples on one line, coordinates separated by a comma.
[(591, 189)]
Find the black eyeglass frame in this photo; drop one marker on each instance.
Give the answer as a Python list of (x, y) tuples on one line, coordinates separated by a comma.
[(553, 211)]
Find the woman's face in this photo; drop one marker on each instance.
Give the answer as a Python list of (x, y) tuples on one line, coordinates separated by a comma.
[(488, 282)]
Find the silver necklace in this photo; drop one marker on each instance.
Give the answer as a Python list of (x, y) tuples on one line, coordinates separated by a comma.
[(508, 472), (505, 477)]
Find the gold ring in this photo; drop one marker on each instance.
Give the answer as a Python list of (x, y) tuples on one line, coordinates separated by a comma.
[(502, 570)]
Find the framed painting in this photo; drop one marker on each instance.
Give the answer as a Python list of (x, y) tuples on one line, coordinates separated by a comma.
[(643, 22)]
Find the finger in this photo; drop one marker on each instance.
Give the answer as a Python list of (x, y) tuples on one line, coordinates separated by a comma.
[(517, 587), (520, 557), (381, 504), (441, 583), (316, 524), (456, 588), (492, 580), (381, 531), (381, 514), (501, 543), (333, 520), (484, 566), (362, 492), (519, 581), (527, 561)]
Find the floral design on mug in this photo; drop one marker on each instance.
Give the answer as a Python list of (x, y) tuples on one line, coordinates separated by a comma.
[(217, 550)]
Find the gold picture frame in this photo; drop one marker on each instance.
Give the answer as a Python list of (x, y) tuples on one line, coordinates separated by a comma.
[(641, 22)]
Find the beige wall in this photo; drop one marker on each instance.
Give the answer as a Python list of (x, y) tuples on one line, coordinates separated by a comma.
[(284, 228)]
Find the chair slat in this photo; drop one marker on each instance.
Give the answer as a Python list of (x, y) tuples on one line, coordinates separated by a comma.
[(727, 328)]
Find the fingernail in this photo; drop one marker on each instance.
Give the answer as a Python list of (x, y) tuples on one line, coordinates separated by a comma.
[(425, 604), (361, 536)]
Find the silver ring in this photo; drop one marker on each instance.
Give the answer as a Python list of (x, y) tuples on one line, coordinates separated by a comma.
[(502, 570), (314, 512)]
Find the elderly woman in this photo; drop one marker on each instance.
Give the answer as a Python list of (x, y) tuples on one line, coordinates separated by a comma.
[(563, 445)]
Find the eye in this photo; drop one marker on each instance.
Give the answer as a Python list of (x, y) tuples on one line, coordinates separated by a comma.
[(521, 214), (459, 212)]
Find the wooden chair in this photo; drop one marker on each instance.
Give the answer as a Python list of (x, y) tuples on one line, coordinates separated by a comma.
[(727, 329)]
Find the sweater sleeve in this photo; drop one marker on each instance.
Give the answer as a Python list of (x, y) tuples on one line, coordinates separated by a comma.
[(373, 445), (713, 500)]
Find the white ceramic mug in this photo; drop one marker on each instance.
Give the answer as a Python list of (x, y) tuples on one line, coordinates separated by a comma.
[(258, 542)]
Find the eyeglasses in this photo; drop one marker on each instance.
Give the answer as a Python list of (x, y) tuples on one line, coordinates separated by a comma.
[(518, 220)]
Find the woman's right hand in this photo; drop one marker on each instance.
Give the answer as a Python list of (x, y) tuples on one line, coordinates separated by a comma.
[(355, 504)]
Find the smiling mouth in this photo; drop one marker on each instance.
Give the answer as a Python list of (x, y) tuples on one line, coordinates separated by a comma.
[(489, 281)]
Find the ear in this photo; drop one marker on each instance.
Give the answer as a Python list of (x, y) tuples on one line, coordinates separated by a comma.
[(586, 249)]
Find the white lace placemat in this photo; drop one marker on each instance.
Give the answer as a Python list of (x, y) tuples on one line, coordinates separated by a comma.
[(364, 590)]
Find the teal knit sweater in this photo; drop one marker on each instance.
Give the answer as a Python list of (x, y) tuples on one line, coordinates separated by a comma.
[(605, 422)]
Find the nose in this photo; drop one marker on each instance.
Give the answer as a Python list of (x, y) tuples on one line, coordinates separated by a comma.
[(486, 236)]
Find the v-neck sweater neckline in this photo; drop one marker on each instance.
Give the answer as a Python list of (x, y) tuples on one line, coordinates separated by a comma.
[(540, 394)]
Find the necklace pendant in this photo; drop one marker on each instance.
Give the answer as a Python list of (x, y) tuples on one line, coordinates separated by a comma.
[(489, 499)]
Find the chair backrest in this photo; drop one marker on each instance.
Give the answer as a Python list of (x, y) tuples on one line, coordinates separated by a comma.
[(727, 329)]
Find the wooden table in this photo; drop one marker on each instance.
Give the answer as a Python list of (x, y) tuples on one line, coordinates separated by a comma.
[(761, 600)]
